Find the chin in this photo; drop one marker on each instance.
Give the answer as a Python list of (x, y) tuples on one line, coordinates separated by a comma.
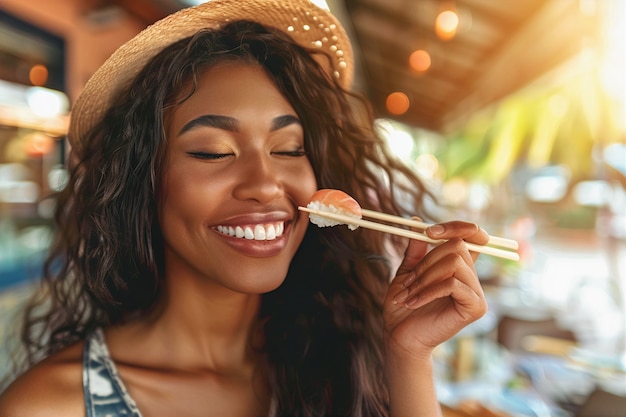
[(259, 280)]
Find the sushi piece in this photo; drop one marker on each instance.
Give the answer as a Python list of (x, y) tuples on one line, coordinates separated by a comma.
[(334, 201)]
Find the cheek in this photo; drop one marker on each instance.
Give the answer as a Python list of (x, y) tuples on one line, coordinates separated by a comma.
[(184, 196), (306, 184)]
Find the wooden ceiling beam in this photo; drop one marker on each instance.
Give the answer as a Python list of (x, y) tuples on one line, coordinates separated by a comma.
[(553, 35)]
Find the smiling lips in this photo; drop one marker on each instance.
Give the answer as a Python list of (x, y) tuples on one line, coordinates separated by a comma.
[(268, 231)]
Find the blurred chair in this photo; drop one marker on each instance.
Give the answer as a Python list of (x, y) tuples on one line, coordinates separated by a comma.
[(536, 336), (603, 404)]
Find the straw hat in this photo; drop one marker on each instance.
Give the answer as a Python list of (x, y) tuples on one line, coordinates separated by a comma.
[(308, 25)]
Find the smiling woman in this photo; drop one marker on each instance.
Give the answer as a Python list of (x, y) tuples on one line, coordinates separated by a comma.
[(235, 151), (185, 281)]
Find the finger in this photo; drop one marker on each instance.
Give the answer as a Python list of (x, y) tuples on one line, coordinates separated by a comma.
[(469, 304), (470, 232), (414, 253), (417, 261), (445, 258), (454, 263), (405, 275), (440, 263)]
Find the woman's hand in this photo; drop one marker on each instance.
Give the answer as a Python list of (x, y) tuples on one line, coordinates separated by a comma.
[(434, 293)]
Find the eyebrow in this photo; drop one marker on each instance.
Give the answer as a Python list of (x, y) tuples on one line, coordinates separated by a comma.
[(232, 125), (284, 121), (211, 120)]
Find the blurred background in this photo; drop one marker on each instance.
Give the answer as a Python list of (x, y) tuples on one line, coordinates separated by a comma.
[(515, 113)]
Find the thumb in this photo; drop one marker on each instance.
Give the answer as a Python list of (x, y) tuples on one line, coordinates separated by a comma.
[(414, 253)]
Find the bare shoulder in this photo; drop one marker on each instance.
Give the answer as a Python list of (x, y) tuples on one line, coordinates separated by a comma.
[(53, 387)]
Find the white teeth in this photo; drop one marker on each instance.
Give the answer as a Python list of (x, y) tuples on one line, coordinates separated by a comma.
[(259, 232), (271, 232)]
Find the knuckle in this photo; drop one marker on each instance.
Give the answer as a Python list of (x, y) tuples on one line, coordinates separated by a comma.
[(456, 260)]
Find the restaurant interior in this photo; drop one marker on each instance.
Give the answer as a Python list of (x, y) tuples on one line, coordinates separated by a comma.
[(513, 112)]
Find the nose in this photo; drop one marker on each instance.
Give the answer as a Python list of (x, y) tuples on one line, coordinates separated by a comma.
[(259, 180)]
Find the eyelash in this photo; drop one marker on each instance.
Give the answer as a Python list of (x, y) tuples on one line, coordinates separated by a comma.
[(294, 154), (217, 156), (209, 156)]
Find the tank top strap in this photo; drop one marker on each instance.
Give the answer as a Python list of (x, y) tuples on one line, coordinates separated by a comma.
[(105, 394)]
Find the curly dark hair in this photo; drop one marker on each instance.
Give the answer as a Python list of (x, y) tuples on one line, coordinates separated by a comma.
[(323, 325)]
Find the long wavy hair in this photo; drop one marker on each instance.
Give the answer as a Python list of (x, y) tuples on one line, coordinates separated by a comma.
[(323, 326)]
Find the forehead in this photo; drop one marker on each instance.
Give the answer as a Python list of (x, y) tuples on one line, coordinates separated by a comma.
[(227, 78), (238, 89)]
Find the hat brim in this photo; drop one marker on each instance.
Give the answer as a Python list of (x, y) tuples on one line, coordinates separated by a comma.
[(308, 25)]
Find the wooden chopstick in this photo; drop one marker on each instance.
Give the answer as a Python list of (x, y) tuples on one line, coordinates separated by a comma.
[(493, 240), (487, 250)]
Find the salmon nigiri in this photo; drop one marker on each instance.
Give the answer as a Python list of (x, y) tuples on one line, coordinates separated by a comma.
[(334, 201)]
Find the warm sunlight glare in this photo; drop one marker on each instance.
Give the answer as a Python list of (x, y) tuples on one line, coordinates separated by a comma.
[(614, 60), (447, 24), (399, 140)]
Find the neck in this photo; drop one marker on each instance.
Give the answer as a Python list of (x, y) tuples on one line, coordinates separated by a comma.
[(207, 324)]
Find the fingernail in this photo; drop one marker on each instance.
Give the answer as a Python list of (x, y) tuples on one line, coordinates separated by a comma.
[(409, 279), (436, 229), (412, 301), (401, 296)]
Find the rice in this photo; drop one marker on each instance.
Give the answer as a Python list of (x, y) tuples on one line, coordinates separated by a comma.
[(324, 222)]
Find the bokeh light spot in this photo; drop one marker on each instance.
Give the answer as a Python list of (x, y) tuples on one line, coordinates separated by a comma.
[(420, 60), (38, 75), (397, 103), (447, 24)]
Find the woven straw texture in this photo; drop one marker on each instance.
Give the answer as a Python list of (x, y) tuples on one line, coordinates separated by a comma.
[(307, 24)]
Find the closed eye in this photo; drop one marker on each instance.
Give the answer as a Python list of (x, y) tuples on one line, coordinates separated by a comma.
[(291, 153), (209, 156)]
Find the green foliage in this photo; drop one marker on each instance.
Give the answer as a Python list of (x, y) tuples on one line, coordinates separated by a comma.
[(563, 124)]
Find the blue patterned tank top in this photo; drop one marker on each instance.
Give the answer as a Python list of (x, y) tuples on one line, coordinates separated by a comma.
[(105, 394)]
